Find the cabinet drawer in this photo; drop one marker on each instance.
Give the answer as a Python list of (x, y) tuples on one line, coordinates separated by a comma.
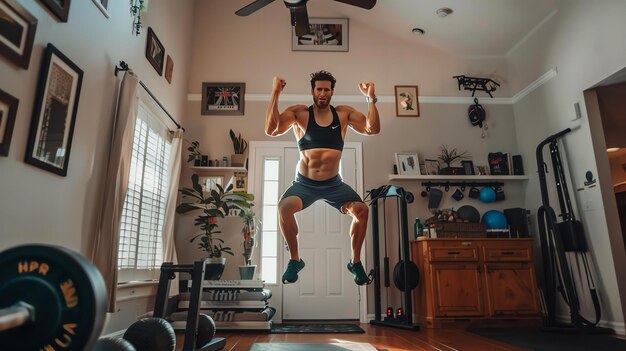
[(453, 254), (507, 254)]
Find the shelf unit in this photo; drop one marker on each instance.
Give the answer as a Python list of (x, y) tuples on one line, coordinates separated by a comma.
[(486, 178), (231, 169)]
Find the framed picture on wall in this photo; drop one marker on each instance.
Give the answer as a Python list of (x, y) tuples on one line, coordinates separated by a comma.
[(406, 101), (169, 69), (407, 163), (17, 32), (103, 6), (223, 98), (325, 34), (8, 111), (155, 52), (54, 112), (60, 8)]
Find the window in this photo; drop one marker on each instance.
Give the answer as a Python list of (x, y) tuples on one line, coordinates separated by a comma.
[(269, 245), (140, 252)]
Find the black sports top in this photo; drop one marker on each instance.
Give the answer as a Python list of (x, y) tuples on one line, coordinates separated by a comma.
[(318, 137)]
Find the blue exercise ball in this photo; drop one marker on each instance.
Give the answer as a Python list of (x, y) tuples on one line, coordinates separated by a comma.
[(487, 194), (495, 220)]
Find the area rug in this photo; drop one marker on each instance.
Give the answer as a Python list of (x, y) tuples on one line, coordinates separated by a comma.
[(316, 328), (341, 346), (537, 340)]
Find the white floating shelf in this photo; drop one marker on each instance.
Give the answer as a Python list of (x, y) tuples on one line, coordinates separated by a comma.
[(459, 177), (233, 169)]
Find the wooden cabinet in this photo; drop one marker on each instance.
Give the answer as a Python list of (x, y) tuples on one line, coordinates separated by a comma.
[(475, 281)]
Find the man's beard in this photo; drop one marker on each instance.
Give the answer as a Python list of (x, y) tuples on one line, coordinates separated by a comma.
[(321, 105)]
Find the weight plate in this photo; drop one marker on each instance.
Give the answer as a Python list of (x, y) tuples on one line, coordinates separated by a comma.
[(66, 291)]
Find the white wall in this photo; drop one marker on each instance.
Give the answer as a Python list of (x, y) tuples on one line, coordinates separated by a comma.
[(583, 41), (39, 206)]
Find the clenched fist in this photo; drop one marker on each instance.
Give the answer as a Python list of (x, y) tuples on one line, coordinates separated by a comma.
[(367, 89), (279, 83)]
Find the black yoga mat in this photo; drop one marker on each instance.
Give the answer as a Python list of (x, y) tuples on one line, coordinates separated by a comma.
[(315, 328), (312, 347), (537, 340)]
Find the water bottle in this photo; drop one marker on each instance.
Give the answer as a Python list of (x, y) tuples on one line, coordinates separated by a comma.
[(417, 228)]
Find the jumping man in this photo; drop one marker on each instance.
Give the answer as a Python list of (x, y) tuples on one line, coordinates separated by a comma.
[(320, 130)]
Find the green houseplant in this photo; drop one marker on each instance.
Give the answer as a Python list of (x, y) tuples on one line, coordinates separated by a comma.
[(448, 156), (212, 205), (194, 153), (240, 145)]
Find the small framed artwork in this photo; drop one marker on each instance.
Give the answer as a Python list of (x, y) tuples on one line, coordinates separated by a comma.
[(103, 6), (54, 112), (468, 167), (60, 8), (17, 32), (482, 170), (8, 111), (432, 166), (223, 98), (240, 181), (169, 69), (155, 52), (406, 101), (325, 34), (407, 163), (211, 182)]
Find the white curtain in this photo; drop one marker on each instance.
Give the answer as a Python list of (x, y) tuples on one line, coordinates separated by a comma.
[(106, 242), (170, 210)]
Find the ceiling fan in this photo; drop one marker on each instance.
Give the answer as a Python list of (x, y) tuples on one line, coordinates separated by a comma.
[(299, 15)]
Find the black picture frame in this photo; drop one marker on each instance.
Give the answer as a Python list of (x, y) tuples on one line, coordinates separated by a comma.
[(60, 8), (54, 112), (468, 167), (223, 99), (155, 52), (325, 34), (17, 32), (8, 111)]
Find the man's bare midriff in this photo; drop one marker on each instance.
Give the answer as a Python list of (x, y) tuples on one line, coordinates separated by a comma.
[(319, 164)]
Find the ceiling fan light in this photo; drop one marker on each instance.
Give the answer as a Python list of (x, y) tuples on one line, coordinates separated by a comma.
[(444, 11), (418, 31)]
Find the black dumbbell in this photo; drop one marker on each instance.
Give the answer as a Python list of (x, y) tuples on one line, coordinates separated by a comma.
[(151, 334), (113, 344), (50, 298)]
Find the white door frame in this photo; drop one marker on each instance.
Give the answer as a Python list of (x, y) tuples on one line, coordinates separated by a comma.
[(358, 146)]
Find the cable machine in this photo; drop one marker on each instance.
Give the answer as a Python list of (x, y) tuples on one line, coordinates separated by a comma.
[(406, 275), (557, 239)]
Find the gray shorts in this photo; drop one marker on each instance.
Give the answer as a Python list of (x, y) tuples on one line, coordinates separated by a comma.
[(333, 191)]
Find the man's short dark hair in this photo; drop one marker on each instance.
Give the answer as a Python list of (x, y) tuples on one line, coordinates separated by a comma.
[(321, 76)]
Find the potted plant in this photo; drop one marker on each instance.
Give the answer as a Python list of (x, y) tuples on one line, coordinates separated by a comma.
[(251, 225), (239, 145), (213, 205), (194, 153), (448, 156)]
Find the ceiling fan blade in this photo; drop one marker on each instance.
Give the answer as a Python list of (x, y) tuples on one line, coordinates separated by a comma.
[(300, 18), (365, 4), (252, 7)]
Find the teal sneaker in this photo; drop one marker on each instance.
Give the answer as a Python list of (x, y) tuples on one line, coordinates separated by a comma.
[(360, 278), (291, 273)]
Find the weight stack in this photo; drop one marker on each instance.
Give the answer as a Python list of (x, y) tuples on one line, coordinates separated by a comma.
[(519, 222)]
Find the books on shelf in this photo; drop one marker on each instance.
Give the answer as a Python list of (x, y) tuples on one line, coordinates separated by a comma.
[(230, 295), (232, 284)]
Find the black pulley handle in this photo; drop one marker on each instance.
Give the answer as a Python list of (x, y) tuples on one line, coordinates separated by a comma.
[(16, 316)]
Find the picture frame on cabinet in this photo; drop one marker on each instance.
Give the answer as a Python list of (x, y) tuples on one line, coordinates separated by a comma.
[(54, 112), (8, 111), (103, 6), (325, 34), (407, 104), (432, 166), (17, 32), (60, 8), (223, 99), (407, 163), (155, 52)]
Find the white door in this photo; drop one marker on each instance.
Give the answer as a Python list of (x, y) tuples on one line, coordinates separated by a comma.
[(325, 289)]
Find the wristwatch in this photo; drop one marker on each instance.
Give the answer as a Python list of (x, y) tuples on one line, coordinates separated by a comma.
[(369, 99)]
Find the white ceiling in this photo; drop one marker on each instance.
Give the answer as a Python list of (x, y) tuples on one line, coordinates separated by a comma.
[(476, 28)]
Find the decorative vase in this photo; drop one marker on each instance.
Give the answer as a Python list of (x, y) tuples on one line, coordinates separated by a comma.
[(214, 268), (237, 160), (247, 272)]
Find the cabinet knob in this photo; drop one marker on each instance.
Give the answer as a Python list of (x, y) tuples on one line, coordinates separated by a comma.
[(466, 243)]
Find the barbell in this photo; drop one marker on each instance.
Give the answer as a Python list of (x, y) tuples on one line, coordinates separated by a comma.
[(51, 298)]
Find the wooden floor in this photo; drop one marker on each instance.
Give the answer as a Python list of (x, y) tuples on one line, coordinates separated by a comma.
[(383, 338)]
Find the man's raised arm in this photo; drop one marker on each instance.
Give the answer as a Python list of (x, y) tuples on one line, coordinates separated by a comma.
[(277, 123)]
